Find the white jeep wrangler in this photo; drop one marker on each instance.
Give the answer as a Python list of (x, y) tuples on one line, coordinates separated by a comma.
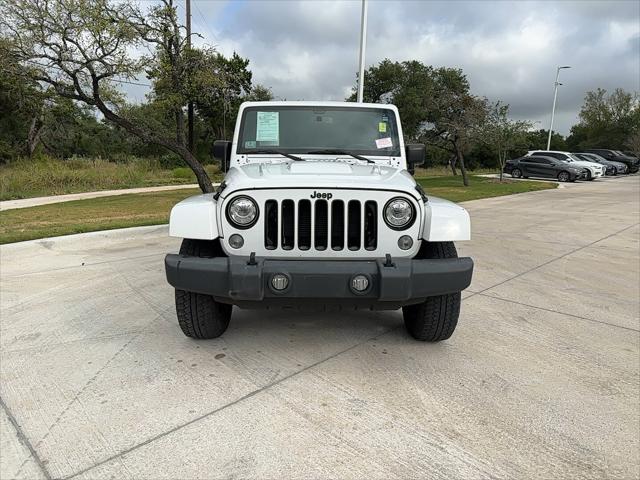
[(318, 208)]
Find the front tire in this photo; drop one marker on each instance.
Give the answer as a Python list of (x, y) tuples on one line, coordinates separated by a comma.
[(200, 316), (436, 318), (516, 173), (589, 176), (564, 177)]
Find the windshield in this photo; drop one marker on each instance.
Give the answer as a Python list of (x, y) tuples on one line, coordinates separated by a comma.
[(574, 158), (307, 129)]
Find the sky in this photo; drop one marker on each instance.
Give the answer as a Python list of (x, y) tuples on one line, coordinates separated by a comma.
[(308, 50)]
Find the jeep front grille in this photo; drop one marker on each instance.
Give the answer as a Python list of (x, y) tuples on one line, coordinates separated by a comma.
[(320, 225)]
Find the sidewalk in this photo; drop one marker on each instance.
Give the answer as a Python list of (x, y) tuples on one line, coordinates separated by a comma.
[(34, 202)]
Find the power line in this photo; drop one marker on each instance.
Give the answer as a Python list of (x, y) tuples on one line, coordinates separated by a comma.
[(204, 21)]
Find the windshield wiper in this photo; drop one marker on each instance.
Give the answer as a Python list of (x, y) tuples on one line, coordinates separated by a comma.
[(342, 152), (278, 152)]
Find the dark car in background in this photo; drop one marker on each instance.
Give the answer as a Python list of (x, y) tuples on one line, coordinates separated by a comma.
[(612, 167), (632, 163), (544, 167)]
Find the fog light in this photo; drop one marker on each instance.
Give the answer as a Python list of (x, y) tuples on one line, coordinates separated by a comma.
[(359, 283), (236, 241), (279, 281), (405, 242)]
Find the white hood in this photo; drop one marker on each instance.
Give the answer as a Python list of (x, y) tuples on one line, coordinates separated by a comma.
[(318, 174)]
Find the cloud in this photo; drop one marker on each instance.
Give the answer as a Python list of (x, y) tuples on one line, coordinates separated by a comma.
[(509, 50)]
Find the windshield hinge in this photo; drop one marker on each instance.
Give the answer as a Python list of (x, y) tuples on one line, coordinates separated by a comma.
[(420, 190), (219, 190)]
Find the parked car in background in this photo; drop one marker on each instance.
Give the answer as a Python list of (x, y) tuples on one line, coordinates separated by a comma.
[(632, 163), (594, 170), (612, 167), (544, 167)]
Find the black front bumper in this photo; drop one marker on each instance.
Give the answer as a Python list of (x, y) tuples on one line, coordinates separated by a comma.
[(392, 284)]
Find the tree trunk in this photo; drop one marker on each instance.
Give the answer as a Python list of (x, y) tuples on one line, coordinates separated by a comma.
[(201, 174), (33, 138), (179, 127), (463, 169), (452, 164)]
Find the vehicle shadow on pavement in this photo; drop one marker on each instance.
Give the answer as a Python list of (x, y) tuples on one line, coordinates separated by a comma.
[(312, 325)]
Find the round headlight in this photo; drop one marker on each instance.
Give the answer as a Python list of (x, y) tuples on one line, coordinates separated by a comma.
[(242, 212), (398, 213)]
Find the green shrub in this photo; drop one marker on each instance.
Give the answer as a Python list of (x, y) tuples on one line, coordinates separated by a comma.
[(170, 160), (183, 172)]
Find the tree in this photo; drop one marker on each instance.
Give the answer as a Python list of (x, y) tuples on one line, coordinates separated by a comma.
[(218, 107), (633, 142), (454, 116), (537, 140), (436, 105), (405, 84), (21, 106), (82, 48), (501, 134), (606, 120)]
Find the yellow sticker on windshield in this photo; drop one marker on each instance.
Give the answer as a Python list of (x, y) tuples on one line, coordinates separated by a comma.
[(382, 127)]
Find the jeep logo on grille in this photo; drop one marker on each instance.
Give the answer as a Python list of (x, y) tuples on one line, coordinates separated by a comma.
[(326, 196)]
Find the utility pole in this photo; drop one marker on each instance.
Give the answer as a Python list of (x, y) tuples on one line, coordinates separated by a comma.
[(363, 46), (190, 104), (553, 109)]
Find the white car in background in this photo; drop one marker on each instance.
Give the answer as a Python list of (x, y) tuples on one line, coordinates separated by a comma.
[(594, 170)]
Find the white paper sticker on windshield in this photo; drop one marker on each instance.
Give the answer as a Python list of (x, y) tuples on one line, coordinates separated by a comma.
[(268, 127), (384, 142)]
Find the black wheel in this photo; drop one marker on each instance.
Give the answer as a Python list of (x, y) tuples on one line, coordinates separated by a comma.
[(200, 316), (589, 176), (436, 318), (564, 177), (516, 173)]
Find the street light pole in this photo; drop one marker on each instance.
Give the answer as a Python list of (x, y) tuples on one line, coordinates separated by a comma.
[(553, 109), (363, 46)]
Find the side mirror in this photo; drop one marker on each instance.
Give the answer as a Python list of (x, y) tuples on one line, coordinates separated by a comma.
[(416, 154), (222, 152)]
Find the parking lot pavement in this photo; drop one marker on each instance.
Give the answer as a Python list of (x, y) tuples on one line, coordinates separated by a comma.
[(541, 379)]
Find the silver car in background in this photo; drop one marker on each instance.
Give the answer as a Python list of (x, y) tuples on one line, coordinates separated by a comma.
[(613, 167)]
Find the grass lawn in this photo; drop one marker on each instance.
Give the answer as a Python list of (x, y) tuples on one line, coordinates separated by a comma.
[(81, 216), (452, 189), (47, 176), (153, 208)]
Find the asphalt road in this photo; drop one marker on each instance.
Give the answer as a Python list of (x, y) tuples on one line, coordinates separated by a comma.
[(541, 379)]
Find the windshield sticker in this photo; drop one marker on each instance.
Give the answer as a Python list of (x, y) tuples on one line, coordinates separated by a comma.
[(382, 127), (250, 144), (384, 142), (268, 127)]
